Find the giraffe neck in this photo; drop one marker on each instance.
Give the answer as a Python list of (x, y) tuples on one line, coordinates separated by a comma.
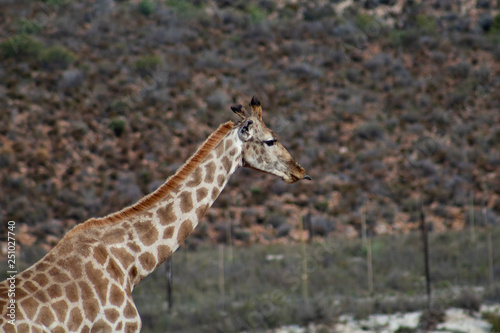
[(154, 234)]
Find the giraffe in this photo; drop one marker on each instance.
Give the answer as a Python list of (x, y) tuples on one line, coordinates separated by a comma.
[(85, 283)]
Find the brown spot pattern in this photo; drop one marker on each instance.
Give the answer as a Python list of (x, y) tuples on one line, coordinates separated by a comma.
[(71, 292), (45, 316), (166, 214), (41, 267), (169, 232), (115, 271), (229, 143), (61, 310), (219, 150), (96, 277), (30, 287), (9, 328), (210, 172), (132, 273), (164, 252), (147, 232), (100, 254), (123, 256), (90, 303), (41, 296), (54, 291), (41, 279), (114, 236), (29, 305), (220, 180), (111, 314), (116, 296), (134, 247), (101, 327), (201, 193), (64, 248), (131, 327), (226, 162), (148, 261), (75, 319), (215, 193), (21, 328), (129, 311), (184, 231), (195, 178), (186, 201), (200, 211)]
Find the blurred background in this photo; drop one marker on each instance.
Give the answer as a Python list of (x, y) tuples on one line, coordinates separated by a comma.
[(391, 106)]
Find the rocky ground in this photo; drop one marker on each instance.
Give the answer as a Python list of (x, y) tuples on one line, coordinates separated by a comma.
[(456, 321)]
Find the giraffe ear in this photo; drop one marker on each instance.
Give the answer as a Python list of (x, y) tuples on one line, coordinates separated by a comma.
[(239, 110), (244, 132), (256, 108)]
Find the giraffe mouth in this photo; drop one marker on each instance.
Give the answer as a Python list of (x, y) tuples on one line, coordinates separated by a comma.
[(296, 179)]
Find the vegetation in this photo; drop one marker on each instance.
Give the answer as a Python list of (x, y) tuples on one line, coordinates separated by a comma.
[(391, 109), (494, 320), (22, 46), (57, 57), (146, 7), (147, 64)]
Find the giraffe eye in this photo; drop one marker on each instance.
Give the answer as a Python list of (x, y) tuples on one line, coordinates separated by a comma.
[(270, 142)]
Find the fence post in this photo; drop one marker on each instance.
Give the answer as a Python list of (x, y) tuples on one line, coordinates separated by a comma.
[(369, 264), (221, 272), (168, 267), (368, 246), (304, 277), (425, 240), (490, 259), (473, 219)]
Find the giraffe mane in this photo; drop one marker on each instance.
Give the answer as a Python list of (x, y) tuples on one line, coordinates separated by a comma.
[(172, 182)]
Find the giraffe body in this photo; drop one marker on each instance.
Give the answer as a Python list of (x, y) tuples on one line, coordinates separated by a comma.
[(85, 283)]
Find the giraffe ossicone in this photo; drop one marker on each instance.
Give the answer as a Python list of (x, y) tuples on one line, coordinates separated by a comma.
[(85, 283)]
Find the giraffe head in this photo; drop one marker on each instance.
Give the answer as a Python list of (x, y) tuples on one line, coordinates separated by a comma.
[(261, 149)]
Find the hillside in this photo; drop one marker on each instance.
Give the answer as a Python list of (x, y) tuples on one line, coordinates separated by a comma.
[(388, 106)]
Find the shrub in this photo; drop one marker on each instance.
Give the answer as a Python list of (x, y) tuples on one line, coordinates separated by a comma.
[(256, 14), (146, 7), (370, 131), (469, 300), (427, 24), (405, 329), (57, 57), (429, 319), (304, 71), (27, 27), (495, 25), (118, 125), (368, 24), (183, 8), (146, 64), (316, 13), (493, 319), (276, 220), (21, 46), (460, 70)]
